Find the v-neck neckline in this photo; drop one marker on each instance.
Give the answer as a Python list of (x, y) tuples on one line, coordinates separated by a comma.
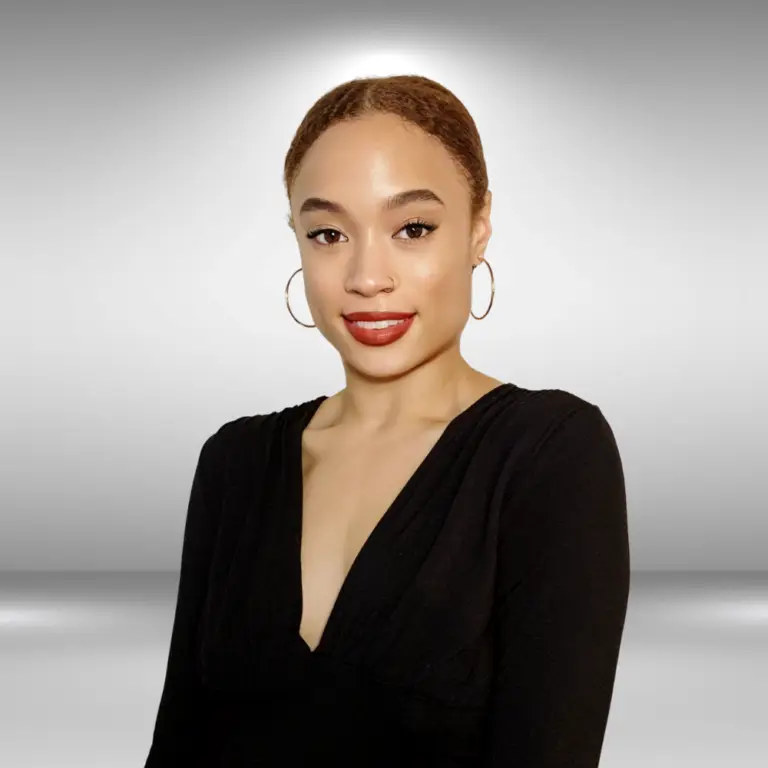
[(295, 475)]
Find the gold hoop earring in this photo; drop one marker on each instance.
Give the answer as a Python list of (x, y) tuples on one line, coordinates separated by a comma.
[(288, 303), (493, 291)]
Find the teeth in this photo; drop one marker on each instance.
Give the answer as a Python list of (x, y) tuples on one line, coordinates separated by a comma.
[(377, 323)]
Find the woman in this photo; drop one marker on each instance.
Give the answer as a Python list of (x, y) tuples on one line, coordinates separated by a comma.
[(431, 566)]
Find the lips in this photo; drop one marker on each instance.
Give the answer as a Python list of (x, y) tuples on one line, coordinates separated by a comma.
[(378, 337), (373, 316)]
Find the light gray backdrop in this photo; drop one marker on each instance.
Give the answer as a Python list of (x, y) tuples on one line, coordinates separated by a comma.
[(144, 249)]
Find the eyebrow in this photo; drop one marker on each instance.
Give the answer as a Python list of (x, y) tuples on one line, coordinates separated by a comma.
[(392, 202)]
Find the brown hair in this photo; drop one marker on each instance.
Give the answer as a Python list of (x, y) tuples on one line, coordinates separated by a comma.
[(416, 99)]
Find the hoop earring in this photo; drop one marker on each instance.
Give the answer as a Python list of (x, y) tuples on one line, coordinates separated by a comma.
[(288, 303), (493, 291)]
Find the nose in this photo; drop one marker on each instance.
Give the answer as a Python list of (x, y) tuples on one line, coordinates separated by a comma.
[(369, 273)]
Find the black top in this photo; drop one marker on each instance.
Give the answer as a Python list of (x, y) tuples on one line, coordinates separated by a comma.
[(480, 624)]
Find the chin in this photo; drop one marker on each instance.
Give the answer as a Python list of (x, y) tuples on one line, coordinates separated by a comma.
[(375, 363)]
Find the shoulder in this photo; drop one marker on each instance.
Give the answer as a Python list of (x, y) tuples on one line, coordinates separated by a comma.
[(566, 491), (253, 432), (546, 431), (534, 417), (565, 418), (560, 439), (549, 405)]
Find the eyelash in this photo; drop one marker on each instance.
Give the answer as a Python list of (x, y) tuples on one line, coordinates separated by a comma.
[(312, 235)]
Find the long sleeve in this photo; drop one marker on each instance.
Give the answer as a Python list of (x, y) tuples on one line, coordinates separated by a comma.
[(178, 723), (562, 594)]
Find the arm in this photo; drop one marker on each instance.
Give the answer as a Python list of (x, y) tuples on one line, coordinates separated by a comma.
[(562, 594), (178, 725)]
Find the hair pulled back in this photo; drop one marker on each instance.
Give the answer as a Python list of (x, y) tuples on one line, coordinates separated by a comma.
[(417, 100)]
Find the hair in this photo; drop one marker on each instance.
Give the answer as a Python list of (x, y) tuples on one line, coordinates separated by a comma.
[(417, 100)]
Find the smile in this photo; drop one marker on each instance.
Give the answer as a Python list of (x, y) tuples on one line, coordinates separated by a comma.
[(378, 333)]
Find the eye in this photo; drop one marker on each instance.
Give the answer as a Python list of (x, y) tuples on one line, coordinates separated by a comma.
[(316, 232), (418, 224)]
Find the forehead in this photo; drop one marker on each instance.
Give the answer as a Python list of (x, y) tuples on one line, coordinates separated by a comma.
[(370, 158)]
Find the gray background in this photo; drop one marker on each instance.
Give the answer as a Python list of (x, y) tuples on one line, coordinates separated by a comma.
[(145, 251)]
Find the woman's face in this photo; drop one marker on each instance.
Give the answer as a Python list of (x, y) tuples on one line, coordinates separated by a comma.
[(360, 248)]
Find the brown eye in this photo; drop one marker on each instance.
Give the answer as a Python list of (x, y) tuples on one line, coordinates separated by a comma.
[(417, 226), (411, 228), (317, 232)]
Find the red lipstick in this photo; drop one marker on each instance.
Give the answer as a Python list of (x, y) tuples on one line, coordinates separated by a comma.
[(377, 337)]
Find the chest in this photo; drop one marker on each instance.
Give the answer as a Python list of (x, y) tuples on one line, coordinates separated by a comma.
[(393, 544), (347, 491)]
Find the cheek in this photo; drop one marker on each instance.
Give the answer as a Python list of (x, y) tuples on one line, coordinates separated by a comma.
[(444, 286), (317, 286)]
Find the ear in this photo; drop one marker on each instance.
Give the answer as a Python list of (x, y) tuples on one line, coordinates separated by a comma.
[(482, 230)]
